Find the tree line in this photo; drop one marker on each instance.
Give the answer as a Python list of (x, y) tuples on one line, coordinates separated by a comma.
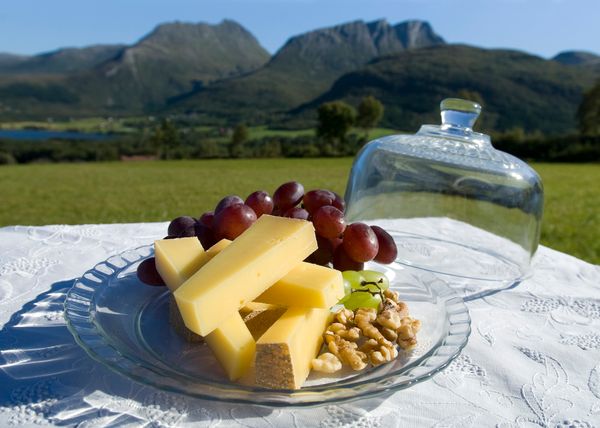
[(333, 137)]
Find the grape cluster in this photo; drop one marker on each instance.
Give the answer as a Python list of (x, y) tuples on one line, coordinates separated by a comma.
[(346, 246)]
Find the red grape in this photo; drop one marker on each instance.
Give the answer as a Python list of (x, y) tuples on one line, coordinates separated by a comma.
[(297, 212), (288, 195), (339, 202), (315, 199), (189, 232), (342, 261), (335, 242), (179, 225), (170, 237), (360, 242), (205, 235), (329, 222), (387, 247), (228, 201), (323, 254), (233, 220), (260, 202), (207, 218), (147, 273)]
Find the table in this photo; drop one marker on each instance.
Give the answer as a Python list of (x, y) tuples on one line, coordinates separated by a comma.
[(533, 358)]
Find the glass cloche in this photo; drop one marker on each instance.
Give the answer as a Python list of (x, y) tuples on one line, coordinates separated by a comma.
[(454, 205)]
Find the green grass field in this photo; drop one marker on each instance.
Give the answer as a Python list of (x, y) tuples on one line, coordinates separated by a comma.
[(157, 191)]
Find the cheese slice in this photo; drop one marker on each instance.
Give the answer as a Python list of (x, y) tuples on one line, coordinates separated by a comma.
[(307, 285), (233, 345), (178, 259), (284, 353), (178, 325), (258, 258)]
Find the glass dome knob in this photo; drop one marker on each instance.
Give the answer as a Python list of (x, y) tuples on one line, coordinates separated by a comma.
[(457, 113)]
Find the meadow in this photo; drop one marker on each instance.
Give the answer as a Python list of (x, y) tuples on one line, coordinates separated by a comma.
[(119, 192)]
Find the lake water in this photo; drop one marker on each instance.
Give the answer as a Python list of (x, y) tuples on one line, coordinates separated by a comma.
[(43, 134)]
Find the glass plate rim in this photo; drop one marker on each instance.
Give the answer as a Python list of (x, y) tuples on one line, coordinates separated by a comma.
[(79, 310)]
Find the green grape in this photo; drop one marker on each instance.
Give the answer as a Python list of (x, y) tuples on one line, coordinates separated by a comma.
[(378, 278), (347, 287), (361, 299), (353, 278)]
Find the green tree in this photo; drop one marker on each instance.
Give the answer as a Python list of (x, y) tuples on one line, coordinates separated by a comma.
[(370, 112), (588, 114), (166, 139), (239, 137), (335, 119)]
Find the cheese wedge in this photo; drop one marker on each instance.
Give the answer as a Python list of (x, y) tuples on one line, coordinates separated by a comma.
[(178, 259), (284, 353), (258, 258), (306, 285), (233, 345)]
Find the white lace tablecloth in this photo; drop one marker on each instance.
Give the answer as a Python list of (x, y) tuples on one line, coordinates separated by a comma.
[(533, 358)]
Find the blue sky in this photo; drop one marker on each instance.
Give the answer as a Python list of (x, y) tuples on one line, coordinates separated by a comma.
[(543, 27)]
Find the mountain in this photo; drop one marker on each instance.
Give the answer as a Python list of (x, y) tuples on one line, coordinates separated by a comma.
[(577, 58), (222, 73), (8, 59), (517, 89), (307, 65), (60, 61), (172, 59), (580, 59)]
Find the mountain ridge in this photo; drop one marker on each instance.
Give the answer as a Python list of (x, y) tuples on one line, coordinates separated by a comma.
[(307, 64), (221, 74)]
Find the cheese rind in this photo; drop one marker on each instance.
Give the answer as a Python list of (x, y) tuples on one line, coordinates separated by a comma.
[(233, 345), (307, 285), (177, 259), (284, 353), (257, 259)]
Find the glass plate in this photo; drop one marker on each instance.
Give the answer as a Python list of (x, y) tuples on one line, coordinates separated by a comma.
[(124, 324)]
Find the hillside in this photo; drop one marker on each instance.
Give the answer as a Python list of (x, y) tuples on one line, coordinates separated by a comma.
[(306, 66), (173, 58), (517, 89), (60, 61)]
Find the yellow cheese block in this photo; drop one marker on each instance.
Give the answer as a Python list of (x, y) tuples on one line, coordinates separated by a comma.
[(307, 285), (233, 345), (284, 353), (258, 258), (178, 259)]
